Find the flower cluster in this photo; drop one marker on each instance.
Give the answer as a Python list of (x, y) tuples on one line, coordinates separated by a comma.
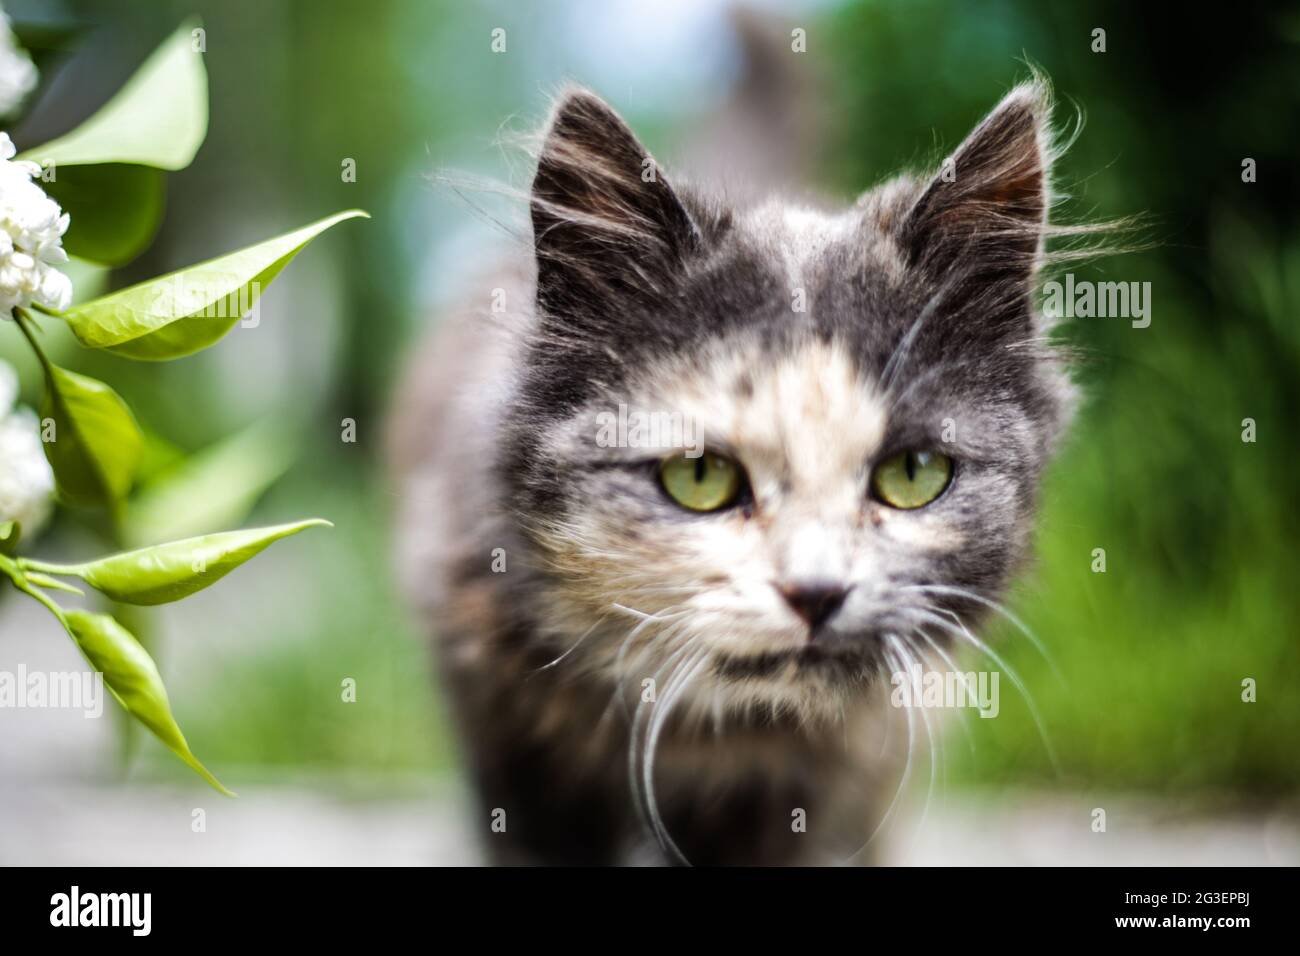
[(26, 481), (31, 239), (18, 74)]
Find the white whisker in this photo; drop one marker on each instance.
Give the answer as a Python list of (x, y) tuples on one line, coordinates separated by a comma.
[(909, 658), (970, 688), (585, 635), (994, 605), (658, 722), (961, 631), (903, 778), (633, 777)]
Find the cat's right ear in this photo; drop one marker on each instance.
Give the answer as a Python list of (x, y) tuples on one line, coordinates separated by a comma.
[(982, 218), (606, 223)]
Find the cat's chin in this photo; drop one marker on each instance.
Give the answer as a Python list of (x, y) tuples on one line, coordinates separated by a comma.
[(837, 660)]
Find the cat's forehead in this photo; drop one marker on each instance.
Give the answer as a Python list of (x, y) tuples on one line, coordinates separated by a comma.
[(805, 410), (781, 390), (802, 241), (797, 237)]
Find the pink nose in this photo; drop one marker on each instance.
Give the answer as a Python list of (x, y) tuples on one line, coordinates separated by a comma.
[(814, 601)]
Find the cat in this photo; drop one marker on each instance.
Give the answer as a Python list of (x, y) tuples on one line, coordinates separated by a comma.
[(659, 656)]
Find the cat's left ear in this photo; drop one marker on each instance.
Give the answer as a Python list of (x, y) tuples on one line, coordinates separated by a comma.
[(607, 226), (982, 217)]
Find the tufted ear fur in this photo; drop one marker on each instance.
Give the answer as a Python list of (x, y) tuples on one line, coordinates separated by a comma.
[(980, 222), (607, 226)]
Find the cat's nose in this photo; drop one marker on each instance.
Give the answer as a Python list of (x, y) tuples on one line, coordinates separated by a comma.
[(814, 601)]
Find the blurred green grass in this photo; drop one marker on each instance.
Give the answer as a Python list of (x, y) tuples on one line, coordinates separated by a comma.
[(281, 705), (1196, 596)]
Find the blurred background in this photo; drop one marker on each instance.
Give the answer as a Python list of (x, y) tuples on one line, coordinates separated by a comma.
[(1200, 529)]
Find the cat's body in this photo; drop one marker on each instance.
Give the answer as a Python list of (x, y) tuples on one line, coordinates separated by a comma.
[(635, 680), (550, 744)]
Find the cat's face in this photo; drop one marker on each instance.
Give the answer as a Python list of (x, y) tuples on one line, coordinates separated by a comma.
[(870, 393)]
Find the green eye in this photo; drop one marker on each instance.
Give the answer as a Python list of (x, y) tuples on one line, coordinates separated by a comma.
[(911, 479), (706, 483)]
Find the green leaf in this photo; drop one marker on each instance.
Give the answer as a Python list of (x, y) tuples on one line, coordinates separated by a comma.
[(190, 309), (116, 210), (133, 678), (54, 584), (10, 532), (159, 118), (106, 172), (169, 572), (97, 443), (213, 488)]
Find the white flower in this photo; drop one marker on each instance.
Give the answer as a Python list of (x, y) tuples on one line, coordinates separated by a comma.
[(26, 481), (18, 74), (31, 239)]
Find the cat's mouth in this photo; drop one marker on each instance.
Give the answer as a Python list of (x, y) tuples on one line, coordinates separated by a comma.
[(841, 659)]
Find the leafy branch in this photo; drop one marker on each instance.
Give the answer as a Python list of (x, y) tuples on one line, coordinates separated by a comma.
[(107, 176)]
